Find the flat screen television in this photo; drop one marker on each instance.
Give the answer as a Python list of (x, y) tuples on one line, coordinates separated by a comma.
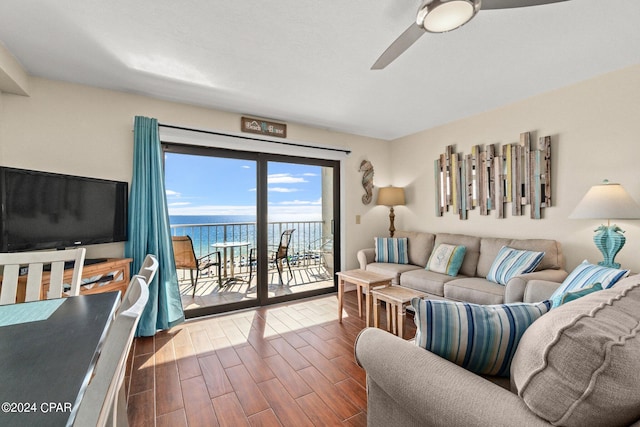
[(43, 210)]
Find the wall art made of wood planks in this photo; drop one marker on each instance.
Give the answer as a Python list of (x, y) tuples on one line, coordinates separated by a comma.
[(518, 174)]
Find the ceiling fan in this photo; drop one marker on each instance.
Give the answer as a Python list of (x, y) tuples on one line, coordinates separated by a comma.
[(439, 16)]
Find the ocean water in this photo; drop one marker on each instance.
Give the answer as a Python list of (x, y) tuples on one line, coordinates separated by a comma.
[(210, 219), (206, 230)]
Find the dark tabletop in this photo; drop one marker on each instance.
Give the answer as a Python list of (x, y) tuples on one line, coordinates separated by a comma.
[(46, 365)]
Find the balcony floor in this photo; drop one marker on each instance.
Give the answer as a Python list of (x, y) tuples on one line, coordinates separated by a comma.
[(209, 293)]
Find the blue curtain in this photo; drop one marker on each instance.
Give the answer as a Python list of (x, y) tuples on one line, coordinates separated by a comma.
[(149, 231)]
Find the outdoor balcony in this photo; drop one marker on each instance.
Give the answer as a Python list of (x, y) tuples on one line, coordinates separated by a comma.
[(310, 257)]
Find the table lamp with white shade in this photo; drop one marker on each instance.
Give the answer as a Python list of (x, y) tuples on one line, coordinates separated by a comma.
[(607, 201), (391, 196)]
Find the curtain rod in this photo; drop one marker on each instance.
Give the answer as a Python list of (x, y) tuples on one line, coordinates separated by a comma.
[(254, 138)]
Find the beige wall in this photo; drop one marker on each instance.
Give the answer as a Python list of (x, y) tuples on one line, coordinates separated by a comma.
[(81, 130), (595, 130), (594, 126)]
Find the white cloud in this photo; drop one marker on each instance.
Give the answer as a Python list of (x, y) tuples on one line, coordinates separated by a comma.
[(178, 204), (284, 178), (171, 193), (283, 190), (301, 202)]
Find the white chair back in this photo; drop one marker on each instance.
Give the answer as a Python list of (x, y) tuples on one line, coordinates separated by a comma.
[(147, 273), (35, 261), (149, 268), (104, 401)]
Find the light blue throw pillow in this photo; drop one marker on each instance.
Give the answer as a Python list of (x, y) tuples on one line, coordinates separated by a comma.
[(446, 259), (480, 338), (511, 262), (392, 250), (586, 274)]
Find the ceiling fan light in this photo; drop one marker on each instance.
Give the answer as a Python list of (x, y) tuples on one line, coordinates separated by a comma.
[(439, 16)]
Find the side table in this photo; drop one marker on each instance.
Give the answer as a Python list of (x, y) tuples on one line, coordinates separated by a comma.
[(363, 279), (397, 299)]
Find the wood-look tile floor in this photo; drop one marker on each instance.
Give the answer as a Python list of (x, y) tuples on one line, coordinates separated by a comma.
[(284, 365)]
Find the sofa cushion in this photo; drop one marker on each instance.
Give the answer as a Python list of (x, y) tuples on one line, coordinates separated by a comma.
[(490, 246), (579, 364), (512, 262), (391, 250), (393, 270), (587, 274), (472, 245), (426, 281), (420, 245), (480, 338), (474, 289), (446, 259)]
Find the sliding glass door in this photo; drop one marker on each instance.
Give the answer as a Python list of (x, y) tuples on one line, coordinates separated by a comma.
[(300, 224), (263, 226)]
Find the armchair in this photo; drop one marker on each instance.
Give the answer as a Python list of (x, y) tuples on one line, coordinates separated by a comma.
[(577, 365)]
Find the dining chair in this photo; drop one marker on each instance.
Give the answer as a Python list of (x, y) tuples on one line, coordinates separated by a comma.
[(147, 272), (186, 258), (149, 268), (33, 264), (277, 256), (104, 401)]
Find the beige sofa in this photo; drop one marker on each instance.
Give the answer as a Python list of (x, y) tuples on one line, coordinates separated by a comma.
[(577, 365), (470, 285)]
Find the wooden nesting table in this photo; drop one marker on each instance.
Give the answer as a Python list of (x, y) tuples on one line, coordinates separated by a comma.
[(363, 279), (397, 299)]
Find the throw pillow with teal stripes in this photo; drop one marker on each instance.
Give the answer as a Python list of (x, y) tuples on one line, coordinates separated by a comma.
[(392, 250), (480, 338), (512, 262), (584, 275)]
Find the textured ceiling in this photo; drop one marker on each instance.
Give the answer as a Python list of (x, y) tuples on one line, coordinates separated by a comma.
[(308, 61)]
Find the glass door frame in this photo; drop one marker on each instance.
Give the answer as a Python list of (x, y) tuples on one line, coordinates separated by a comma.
[(262, 160)]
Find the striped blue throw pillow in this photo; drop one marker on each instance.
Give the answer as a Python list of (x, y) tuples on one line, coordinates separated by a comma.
[(392, 250), (512, 262), (586, 274), (480, 338)]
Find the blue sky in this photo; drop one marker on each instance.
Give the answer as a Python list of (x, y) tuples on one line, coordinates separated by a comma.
[(202, 185)]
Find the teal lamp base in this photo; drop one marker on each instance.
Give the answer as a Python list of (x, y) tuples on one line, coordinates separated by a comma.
[(609, 240)]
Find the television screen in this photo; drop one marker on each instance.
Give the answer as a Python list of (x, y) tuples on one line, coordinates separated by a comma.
[(42, 210)]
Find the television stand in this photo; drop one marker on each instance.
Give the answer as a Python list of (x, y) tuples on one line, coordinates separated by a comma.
[(106, 275), (69, 264), (91, 261)]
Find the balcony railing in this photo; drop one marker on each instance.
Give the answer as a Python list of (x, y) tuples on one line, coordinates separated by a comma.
[(307, 240)]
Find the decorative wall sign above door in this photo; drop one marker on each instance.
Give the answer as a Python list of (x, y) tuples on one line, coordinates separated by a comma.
[(263, 127), (518, 174)]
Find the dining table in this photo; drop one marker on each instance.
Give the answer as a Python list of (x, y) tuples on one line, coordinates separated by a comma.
[(48, 351)]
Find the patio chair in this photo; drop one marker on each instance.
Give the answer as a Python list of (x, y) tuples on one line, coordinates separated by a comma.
[(186, 259), (277, 256), (320, 251)]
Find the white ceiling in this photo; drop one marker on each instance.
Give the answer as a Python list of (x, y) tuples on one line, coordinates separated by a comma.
[(308, 61)]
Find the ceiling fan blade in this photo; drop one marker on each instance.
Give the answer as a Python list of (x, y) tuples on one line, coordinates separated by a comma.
[(506, 4), (398, 47)]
